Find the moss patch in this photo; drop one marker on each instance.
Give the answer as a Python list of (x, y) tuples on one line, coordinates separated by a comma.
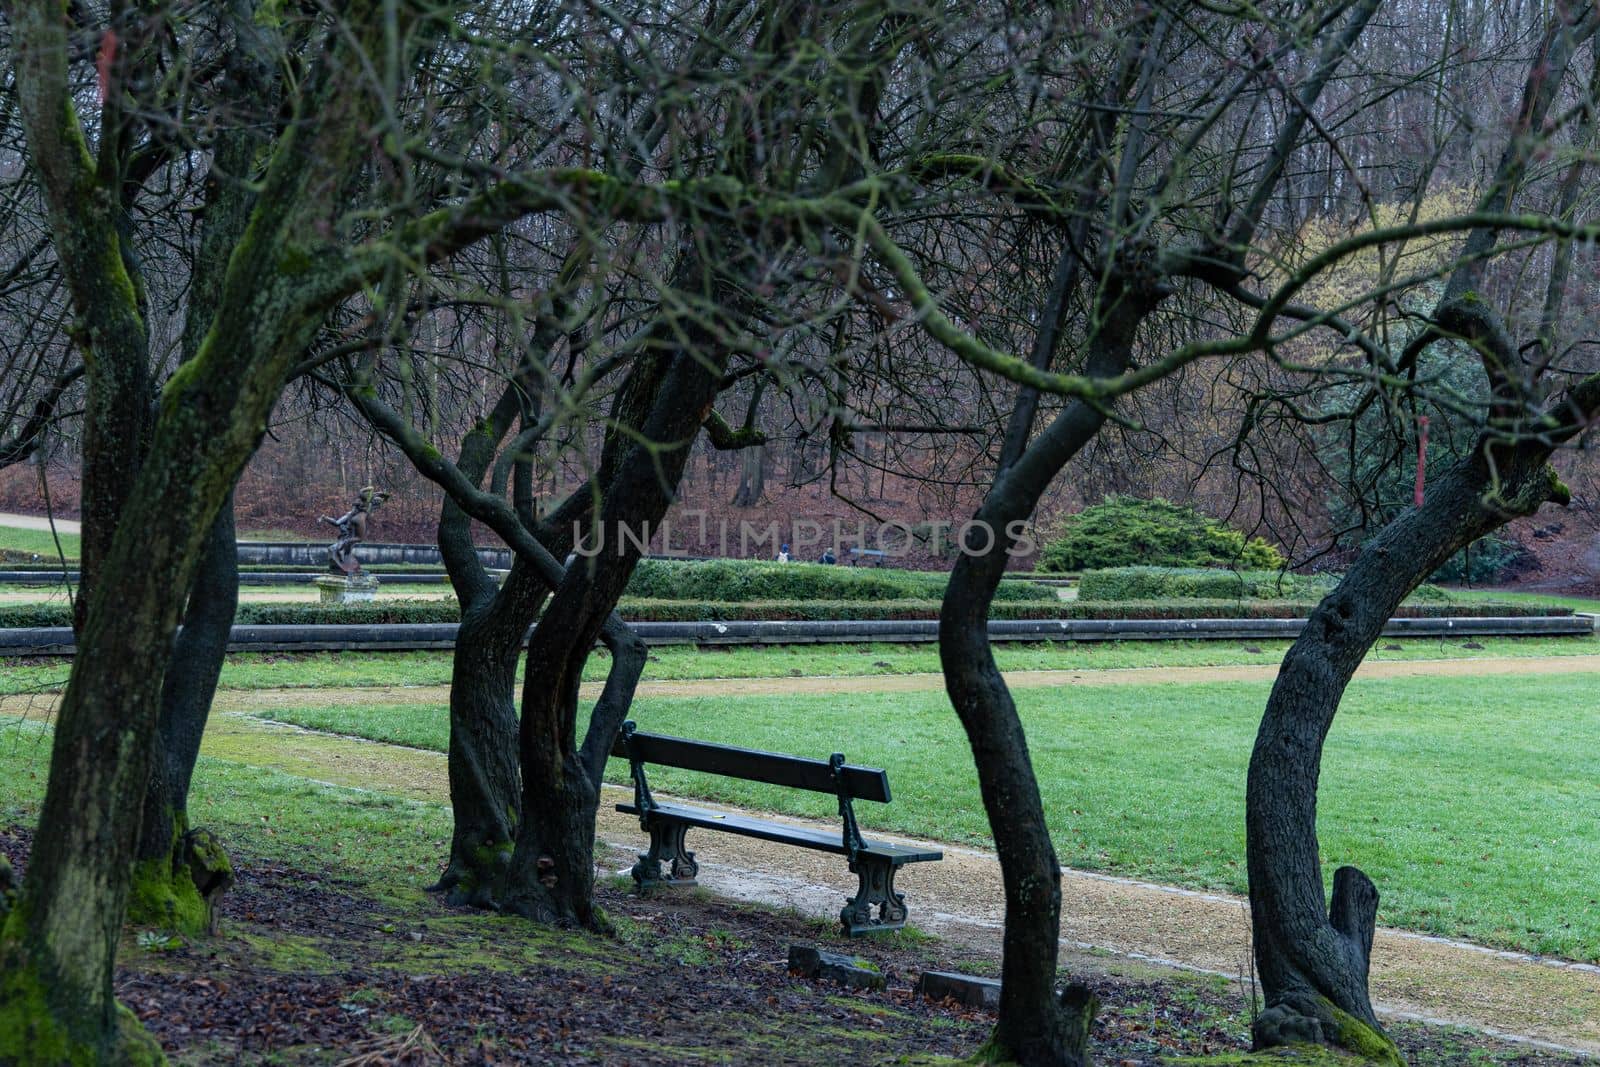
[(1301, 1055), (1353, 1034), (159, 896), (290, 953)]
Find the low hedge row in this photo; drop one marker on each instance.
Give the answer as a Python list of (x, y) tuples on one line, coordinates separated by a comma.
[(1211, 583), (245, 568), (1194, 583), (637, 610), (739, 581), (650, 610), (376, 612)]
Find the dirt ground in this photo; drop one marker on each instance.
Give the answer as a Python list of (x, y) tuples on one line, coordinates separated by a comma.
[(312, 967)]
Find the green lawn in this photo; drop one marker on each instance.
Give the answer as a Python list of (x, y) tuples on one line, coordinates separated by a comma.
[(340, 669), (266, 813), (38, 542), (1473, 803), (1506, 596)]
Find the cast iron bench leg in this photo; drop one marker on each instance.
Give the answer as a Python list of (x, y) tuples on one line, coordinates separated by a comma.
[(666, 846), (877, 888)]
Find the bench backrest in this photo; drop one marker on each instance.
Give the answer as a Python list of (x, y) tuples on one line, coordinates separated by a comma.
[(752, 765)]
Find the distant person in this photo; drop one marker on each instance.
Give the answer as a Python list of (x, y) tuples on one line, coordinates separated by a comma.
[(827, 556), (783, 554)]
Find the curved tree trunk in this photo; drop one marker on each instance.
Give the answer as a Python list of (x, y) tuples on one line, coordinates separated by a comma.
[(485, 783), (180, 872), (1035, 1027), (1313, 963), (551, 877)]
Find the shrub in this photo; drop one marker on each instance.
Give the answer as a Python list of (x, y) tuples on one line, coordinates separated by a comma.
[(825, 610), (1488, 559), (1126, 531)]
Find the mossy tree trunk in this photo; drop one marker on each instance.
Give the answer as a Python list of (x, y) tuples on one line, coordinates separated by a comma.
[(1313, 964), (179, 871), (485, 783), (58, 941)]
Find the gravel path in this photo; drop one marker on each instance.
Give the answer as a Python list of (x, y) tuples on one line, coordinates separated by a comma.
[(356, 696), (1508, 994), (38, 522), (910, 683)]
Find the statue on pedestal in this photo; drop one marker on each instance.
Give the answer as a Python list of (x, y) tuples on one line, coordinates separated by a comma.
[(352, 527)]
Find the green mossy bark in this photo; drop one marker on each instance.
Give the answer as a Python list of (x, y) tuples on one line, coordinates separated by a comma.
[(135, 1046), (180, 891), (1355, 1036), (31, 1033), (1303, 1055), (161, 896)]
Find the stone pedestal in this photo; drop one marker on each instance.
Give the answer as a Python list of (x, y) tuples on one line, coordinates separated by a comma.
[(358, 588)]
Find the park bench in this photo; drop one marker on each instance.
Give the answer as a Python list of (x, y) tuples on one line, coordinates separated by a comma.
[(669, 863)]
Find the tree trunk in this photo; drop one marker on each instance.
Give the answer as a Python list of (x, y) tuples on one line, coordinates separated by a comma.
[(179, 873), (752, 477), (1313, 964), (59, 940), (551, 877), (1034, 1026), (485, 783)]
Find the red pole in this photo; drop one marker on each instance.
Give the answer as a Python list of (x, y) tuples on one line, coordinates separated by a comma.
[(1422, 458)]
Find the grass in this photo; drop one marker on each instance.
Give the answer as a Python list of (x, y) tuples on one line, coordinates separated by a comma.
[(266, 813), (271, 533), (1575, 603), (1472, 805), (269, 670), (38, 543)]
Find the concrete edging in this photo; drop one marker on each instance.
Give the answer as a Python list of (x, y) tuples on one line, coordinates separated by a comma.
[(399, 637), (245, 577)]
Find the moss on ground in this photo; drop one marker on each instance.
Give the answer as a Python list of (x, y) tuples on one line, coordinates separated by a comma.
[(290, 953), (1297, 1055)]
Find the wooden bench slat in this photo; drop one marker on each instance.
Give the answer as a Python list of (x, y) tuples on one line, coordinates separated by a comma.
[(772, 768), (783, 833)]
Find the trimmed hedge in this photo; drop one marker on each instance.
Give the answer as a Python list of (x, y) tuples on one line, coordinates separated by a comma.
[(1124, 531), (1196, 583), (375, 612), (823, 610), (1204, 583), (641, 610), (375, 568), (739, 581)]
